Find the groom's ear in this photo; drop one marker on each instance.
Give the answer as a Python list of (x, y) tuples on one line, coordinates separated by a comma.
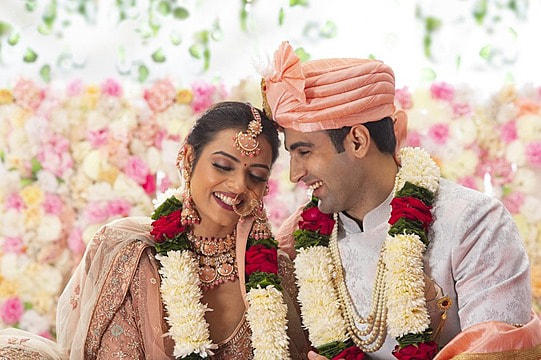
[(357, 141)]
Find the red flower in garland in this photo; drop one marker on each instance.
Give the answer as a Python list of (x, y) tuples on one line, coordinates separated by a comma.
[(261, 258), (314, 220), (410, 208), (167, 226), (421, 351), (351, 353)]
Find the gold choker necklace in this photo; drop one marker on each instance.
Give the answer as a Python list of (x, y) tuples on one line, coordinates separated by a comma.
[(216, 258)]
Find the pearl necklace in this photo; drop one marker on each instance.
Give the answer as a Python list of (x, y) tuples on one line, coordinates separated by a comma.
[(373, 336)]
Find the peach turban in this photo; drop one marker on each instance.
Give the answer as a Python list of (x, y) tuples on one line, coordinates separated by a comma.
[(330, 93)]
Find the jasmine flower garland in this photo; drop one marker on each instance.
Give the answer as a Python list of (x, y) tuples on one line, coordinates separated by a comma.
[(401, 270), (181, 292)]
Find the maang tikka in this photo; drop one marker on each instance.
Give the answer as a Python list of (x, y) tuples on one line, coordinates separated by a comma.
[(188, 215), (246, 141)]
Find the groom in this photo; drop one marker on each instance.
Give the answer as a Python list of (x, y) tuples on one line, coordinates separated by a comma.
[(343, 134)]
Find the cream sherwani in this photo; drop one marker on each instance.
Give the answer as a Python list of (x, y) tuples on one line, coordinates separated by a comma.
[(475, 257)]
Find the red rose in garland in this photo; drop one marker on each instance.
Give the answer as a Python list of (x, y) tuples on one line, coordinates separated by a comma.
[(261, 258), (314, 220), (167, 227), (351, 353), (420, 351)]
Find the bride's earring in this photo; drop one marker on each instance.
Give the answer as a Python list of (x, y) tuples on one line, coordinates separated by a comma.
[(189, 215), (261, 228)]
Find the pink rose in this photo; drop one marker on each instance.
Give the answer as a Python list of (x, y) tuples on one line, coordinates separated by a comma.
[(468, 181), (118, 207), (13, 244), (136, 169), (414, 138), (75, 241), (160, 96), (53, 204), (442, 91), (75, 88), (533, 153), (95, 213), (165, 184), (461, 109), (150, 184), (508, 131), (112, 88), (14, 201), (11, 310), (439, 133), (513, 202), (97, 138), (403, 97), (27, 94), (54, 155)]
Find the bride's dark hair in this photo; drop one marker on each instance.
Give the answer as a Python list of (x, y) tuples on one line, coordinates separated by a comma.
[(229, 115)]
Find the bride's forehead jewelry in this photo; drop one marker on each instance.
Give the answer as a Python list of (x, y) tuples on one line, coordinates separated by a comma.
[(245, 141)]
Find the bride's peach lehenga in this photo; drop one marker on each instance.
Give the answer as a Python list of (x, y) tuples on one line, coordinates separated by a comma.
[(112, 308)]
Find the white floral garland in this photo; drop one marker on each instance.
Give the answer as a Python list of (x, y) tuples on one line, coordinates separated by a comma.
[(181, 295), (320, 314), (403, 257), (403, 253)]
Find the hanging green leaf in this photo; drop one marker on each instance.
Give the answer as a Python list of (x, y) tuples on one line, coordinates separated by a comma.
[(298, 3), (428, 74), (514, 33), (175, 38), (5, 28), (432, 24), (45, 73), (30, 56), (13, 38), (281, 16), (458, 61), (35, 167), (49, 15), (206, 58), (480, 11), (202, 37), (181, 13), (427, 45), (158, 56), (486, 52), (216, 34), (243, 18), (143, 73), (329, 30), (372, 56), (164, 7), (30, 5), (302, 54), (44, 29), (195, 51)]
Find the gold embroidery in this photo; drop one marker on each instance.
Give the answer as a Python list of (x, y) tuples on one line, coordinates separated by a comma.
[(13, 353), (114, 289), (527, 354)]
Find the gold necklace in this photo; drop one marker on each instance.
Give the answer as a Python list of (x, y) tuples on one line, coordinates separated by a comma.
[(370, 339), (216, 257)]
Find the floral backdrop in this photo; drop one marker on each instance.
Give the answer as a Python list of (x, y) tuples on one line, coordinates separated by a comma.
[(73, 158)]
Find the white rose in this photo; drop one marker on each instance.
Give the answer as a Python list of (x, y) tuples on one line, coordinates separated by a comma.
[(515, 153), (529, 127), (100, 191), (12, 223), (531, 209), (127, 188), (12, 266), (49, 279), (47, 181), (463, 130), (95, 120), (93, 163), (34, 322), (49, 229), (153, 158), (89, 232), (525, 181)]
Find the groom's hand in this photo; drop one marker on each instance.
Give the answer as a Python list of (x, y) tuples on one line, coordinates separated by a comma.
[(312, 355)]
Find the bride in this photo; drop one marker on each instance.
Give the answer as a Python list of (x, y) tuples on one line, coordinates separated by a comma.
[(202, 277)]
